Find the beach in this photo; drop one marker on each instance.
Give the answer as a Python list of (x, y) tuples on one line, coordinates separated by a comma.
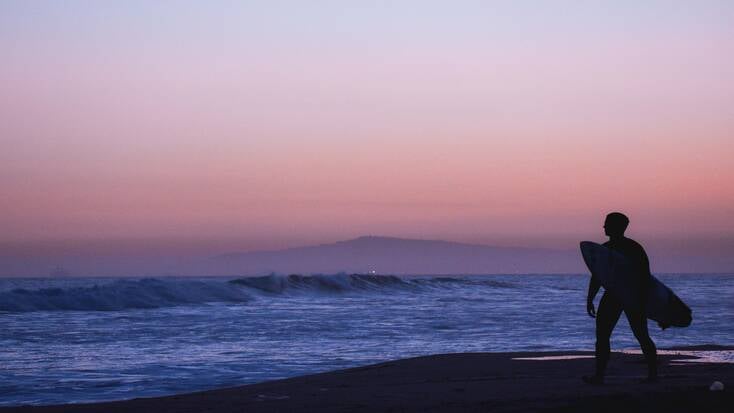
[(462, 382)]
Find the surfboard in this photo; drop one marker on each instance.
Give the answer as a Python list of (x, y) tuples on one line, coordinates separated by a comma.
[(616, 275)]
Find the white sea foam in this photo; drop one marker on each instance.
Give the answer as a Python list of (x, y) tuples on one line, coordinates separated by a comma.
[(111, 295), (120, 295)]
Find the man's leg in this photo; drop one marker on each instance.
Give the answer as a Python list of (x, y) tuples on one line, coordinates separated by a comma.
[(638, 323), (607, 316)]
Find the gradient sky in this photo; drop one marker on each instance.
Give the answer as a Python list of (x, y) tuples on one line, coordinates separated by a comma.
[(289, 122)]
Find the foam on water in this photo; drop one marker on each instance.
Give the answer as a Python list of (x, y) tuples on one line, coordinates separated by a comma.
[(695, 356), (120, 295), (106, 295)]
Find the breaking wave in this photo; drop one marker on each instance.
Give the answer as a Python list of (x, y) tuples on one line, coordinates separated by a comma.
[(340, 283), (157, 293), (323, 283), (121, 295)]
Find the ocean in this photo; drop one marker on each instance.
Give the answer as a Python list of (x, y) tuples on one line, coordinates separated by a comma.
[(92, 339)]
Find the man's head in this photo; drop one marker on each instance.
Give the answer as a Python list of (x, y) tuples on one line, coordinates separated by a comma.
[(615, 224)]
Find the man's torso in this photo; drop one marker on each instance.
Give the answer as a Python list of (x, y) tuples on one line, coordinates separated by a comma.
[(634, 252)]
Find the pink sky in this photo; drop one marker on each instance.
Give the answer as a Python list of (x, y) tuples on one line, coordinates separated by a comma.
[(286, 125)]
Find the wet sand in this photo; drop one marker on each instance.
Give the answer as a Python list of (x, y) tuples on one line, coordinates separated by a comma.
[(465, 382)]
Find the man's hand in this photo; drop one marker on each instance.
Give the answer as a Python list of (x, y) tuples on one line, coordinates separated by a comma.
[(590, 308), (594, 286)]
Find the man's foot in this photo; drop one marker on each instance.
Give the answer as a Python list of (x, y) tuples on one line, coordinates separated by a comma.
[(593, 380)]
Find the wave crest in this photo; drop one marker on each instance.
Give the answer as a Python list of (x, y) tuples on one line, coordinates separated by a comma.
[(339, 283), (114, 295), (121, 295), (325, 283)]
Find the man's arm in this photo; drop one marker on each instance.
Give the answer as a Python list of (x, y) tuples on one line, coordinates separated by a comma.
[(594, 286)]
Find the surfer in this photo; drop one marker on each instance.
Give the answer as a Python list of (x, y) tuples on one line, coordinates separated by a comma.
[(610, 306)]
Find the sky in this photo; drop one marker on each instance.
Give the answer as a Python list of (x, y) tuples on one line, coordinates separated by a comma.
[(280, 123)]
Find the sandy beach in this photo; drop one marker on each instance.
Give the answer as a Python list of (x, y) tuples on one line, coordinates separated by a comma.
[(498, 382)]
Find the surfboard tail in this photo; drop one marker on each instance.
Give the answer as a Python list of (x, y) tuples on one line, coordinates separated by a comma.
[(674, 313), (682, 316)]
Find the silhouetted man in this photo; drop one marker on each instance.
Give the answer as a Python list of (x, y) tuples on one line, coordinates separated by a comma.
[(610, 307)]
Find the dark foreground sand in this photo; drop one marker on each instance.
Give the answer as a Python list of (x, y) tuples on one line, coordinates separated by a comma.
[(470, 382)]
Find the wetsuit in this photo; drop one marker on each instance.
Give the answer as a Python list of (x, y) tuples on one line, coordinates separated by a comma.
[(610, 308)]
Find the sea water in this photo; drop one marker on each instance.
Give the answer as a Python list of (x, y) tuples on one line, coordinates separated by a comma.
[(86, 339)]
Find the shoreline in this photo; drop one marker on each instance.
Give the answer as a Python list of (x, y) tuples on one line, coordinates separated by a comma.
[(503, 382)]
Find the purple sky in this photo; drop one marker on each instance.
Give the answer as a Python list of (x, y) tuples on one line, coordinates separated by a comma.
[(249, 125)]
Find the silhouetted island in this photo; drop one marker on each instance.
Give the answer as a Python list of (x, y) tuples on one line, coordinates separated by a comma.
[(402, 256)]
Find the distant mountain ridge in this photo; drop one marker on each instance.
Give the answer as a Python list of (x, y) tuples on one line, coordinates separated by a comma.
[(385, 255), (402, 256)]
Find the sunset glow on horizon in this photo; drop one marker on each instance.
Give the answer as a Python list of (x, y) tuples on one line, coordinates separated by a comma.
[(294, 122)]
